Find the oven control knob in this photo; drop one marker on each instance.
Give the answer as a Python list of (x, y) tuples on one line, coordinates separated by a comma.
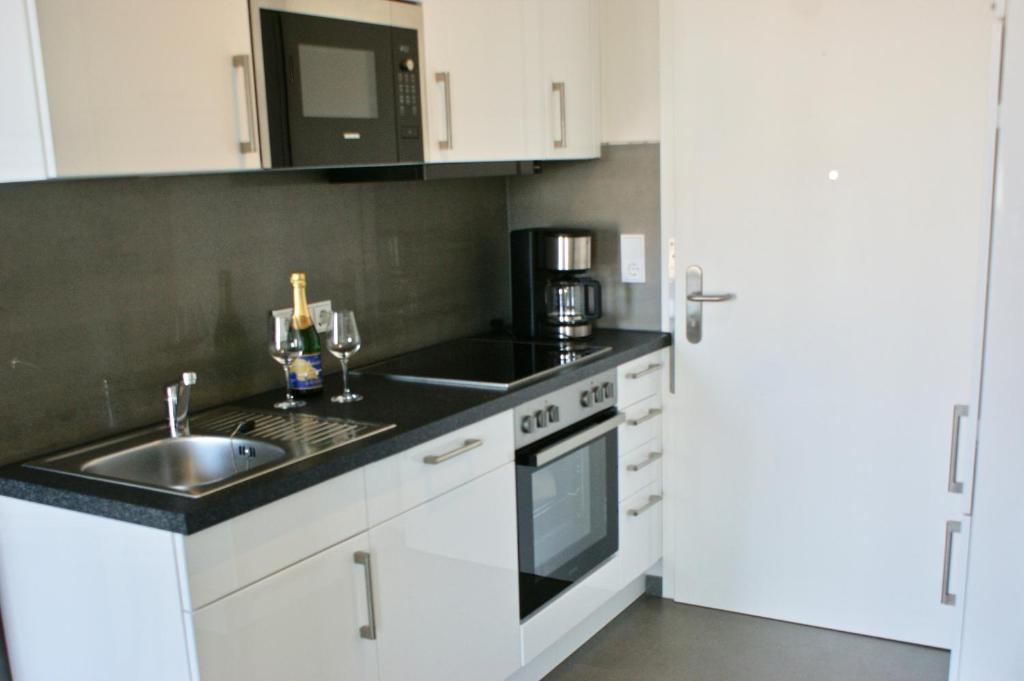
[(553, 414), (527, 424), (542, 418), (609, 391), (408, 65), (585, 398), (598, 394)]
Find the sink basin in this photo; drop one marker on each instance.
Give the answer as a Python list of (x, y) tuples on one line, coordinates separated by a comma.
[(187, 464), (210, 459)]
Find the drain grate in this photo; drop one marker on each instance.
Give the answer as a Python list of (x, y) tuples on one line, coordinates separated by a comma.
[(313, 432)]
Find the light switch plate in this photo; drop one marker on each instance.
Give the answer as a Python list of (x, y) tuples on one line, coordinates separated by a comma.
[(631, 248), (320, 311)]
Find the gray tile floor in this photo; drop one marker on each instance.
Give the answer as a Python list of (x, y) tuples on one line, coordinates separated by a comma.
[(657, 639)]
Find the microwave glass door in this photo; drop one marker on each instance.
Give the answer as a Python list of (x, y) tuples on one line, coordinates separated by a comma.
[(568, 519), (330, 90)]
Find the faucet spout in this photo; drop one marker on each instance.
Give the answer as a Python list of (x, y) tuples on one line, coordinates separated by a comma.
[(177, 395)]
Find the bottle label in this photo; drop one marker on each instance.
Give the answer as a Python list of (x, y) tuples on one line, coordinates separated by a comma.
[(307, 372)]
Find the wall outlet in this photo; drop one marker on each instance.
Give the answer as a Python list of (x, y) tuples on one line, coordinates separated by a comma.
[(631, 248), (320, 311)]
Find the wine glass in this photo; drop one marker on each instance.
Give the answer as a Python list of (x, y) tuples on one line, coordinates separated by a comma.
[(285, 347), (343, 342)]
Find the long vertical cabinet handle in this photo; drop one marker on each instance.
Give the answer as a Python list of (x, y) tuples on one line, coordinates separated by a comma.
[(369, 630), (559, 89), (244, 63), (445, 78), (960, 411), (952, 527)]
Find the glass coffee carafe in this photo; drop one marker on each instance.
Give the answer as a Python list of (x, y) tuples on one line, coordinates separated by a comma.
[(572, 305)]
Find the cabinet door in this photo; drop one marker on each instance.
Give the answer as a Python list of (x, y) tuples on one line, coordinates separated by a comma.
[(22, 148), (301, 623), (446, 585), (567, 83), (148, 86), (475, 80)]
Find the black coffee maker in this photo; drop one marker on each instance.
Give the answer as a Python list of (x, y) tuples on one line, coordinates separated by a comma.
[(550, 296)]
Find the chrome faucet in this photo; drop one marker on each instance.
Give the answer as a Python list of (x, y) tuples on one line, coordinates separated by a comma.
[(177, 403)]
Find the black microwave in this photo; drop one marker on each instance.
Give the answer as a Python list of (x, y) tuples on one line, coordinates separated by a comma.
[(338, 90)]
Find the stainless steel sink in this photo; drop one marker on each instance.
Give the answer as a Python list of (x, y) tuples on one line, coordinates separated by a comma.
[(210, 458), (187, 463)]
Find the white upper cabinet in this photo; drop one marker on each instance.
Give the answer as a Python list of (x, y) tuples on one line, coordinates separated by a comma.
[(564, 85), (511, 80), (305, 622), (476, 80), (148, 86), (23, 136)]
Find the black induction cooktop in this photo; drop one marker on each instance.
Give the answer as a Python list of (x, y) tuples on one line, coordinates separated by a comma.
[(491, 364)]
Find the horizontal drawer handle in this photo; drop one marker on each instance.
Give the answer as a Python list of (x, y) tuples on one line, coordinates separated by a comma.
[(651, 413), (640, 374), (651, 458), (435, 459), (652, 501)]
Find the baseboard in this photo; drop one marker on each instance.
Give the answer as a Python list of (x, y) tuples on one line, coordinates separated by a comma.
[(555, 654)]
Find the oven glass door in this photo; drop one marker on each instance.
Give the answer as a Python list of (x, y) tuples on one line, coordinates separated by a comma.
[(567, 495), (330, 90)]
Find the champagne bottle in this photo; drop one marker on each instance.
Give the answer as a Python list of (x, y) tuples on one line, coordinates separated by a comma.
[(306, 375)]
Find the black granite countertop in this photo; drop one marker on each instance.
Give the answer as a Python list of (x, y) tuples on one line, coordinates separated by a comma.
[(421, 412)]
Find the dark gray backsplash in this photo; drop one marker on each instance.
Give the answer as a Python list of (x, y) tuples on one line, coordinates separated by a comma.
[(110, 288), (617, 195)]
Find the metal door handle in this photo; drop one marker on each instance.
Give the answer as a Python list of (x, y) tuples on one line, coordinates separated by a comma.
[(369, 630), (952, 527), (959, 412), (244, 62), (574, 442), (559, 87), (640, 374), (435, 459), (695, 299), (710, 297), (445, 78), (651, 413), (651, 458), (651, 502)]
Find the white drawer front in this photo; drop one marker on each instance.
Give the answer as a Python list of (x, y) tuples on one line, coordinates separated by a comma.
[(408, 479), (244, 549), (641, 378), (640, 532), (643, 423), (639, 468)]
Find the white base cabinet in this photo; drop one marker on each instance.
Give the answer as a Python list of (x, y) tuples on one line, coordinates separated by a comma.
[(301, 623), (445, 577)]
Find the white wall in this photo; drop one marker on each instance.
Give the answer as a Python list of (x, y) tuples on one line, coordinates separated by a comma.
[(994, 603), (22, 128), (629, 71)]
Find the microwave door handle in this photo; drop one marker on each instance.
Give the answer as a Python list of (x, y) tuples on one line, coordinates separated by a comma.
[(577, 440)]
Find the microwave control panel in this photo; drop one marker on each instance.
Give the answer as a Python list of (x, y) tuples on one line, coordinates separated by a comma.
[(408, 106)]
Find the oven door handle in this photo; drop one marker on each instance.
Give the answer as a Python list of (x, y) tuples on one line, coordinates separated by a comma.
[(577, 440)]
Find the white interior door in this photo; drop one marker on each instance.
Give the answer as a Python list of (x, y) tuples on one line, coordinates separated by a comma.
[(824, 160)]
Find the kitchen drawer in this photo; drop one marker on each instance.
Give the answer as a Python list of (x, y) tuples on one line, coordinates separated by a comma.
[(646, 459), (641, 378), (643, 423), (226, 557), (640, 532), (408, 479)]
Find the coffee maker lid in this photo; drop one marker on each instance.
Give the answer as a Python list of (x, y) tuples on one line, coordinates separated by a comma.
[(567, 250)]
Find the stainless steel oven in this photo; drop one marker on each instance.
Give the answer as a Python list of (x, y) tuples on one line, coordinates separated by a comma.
[(566, 488), (338, 82)]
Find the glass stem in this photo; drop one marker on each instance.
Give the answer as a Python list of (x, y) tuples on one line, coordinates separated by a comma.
[(344, 375), (288, 382)]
